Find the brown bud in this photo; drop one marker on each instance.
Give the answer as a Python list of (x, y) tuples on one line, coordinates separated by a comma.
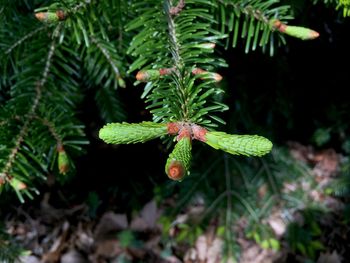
[(173, 128), (176, 171), (61, 15), (41, 16)]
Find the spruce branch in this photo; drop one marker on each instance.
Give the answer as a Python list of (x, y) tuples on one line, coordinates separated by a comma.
[(248, 10), (179, 161), (253, 21), (107, 55), (175, 49), (5, 173), (51, 128), (63, 160), (345, 4), (178, 88), (24, 38)]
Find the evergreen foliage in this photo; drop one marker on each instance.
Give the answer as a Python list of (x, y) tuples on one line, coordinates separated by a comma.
[(67, 50), (52, 53)]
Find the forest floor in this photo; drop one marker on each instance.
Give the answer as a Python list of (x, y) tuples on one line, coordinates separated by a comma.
[(71, 235)]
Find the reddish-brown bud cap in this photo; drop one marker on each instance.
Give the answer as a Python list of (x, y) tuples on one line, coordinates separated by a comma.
[(61, 15), (173, 128), (176, 171), (41, 16)]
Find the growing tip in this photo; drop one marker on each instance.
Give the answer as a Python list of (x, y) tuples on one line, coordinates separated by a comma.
[(176, 171), (41, 16), (314, 34), (141, 76)]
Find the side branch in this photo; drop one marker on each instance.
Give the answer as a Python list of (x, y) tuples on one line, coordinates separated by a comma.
[(250, 11), (4, 175), (172, 35), (107, 56), (20, 41), (52, 129)]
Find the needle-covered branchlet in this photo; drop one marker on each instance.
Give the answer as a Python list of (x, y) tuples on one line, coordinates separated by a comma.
[(51, 16), (294, 31), (178, 163)]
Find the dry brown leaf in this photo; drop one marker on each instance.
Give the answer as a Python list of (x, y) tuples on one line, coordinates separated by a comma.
[(108, 249), (58, 246), (327, 163), (172, 259), (139, 224), (109, 224), (330, 258), (153, 242), (84, 241), (277, 224), (201, 247), (301, 152), (191, 256), (148, 218), (73, 256), (136, 253), (149, 213), (28, 259), (214, 251), (256, 254), (49, 214)]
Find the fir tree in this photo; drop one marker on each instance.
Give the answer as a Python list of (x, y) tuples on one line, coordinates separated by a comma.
[(52, 52)]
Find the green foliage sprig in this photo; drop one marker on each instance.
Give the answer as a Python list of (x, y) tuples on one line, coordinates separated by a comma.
[(72, 44), (178, 163), (177, 89)]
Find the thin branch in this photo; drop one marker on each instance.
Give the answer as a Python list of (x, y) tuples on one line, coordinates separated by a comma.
[(250, 11), (107, 56), (172, 36), (29, 116), (175, 51), (20, 41), (52, 129)]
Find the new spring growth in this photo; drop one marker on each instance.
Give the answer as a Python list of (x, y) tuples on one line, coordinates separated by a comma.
[(2, 181), (63, 161), (154, 74), (207, 75), (17, 184), (49, 17), (178, 163), (294, 31), (345, 4)]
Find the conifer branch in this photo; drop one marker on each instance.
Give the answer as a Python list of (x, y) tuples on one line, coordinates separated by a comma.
[(4, 175), (20, 41), (52, 129), (248, 10), (107, 56), (172, 35)]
